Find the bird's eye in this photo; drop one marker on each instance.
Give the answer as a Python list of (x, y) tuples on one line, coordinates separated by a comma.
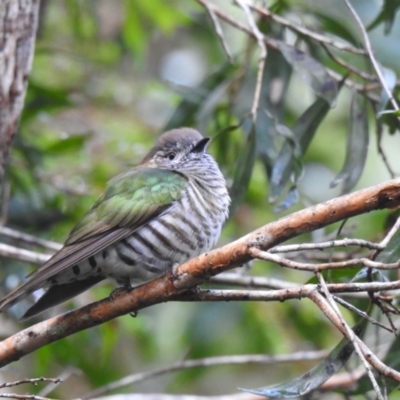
[(171, 156)]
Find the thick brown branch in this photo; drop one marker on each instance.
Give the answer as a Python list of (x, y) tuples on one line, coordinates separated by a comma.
[(198, 270)]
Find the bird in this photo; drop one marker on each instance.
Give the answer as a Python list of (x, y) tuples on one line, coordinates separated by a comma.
[(168, 209)]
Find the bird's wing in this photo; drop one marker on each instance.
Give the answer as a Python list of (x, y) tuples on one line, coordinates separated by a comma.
[(130, 201)]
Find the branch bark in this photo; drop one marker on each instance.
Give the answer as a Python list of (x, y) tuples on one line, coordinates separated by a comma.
[(18, 25), (178, 284)]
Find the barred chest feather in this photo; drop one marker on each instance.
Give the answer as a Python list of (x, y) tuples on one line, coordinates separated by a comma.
[(189, 228)]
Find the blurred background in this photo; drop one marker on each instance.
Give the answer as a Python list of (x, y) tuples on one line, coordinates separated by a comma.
[(108, 77)]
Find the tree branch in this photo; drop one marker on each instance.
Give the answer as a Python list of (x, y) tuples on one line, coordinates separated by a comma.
[(188, 275)]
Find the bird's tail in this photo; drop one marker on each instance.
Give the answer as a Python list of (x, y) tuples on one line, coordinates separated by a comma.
[(16, 296), (59, 293), (54, 295)]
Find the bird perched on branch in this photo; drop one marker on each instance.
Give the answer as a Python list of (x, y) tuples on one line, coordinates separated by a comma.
[(168, 209)]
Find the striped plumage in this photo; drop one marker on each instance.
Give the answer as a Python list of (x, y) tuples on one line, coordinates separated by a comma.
[(165, 211)]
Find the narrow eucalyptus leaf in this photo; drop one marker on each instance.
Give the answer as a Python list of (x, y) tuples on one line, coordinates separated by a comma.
[(357, 145), (244, 169), (315, 377), (311, 71), (387, 15), (290, 199), (281, 172), (276, 78), (303, 130)]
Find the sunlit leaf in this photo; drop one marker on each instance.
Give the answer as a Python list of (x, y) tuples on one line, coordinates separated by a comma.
[(311, 71), (134, 34), (82, 19), (162, 15), (244, 169), (357, 145), (71, 144), (315, 377)]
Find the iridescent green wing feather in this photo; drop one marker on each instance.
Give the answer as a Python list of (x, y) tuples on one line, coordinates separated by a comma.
[(130, 201)]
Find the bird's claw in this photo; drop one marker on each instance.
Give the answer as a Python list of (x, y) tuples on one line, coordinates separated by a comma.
[(134, 314), (174, 268), (117, 291)]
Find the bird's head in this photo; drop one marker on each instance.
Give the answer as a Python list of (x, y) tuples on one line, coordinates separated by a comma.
[(177, 149)]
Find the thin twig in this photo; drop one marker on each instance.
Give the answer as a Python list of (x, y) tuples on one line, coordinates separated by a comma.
[(261, 60), (208, 362), (350, 334), (33, 381), (306, 32), (362, 314), (261, 282), (219, 31), (285, 262), (327, 245), (22, 396), (349, 67), (379, 134), (391, 233), (371, 55), (23, 254), (250, 281), (325, 307), (29, 239), (272, 44)]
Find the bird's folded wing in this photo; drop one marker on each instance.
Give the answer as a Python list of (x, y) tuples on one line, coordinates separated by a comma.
[(129, 202)]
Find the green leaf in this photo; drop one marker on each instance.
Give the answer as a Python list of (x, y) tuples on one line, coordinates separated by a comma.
[(303, 130), (271, 107), (387, 16), (244, 169), (69, 145), (41, 99), (133, 32), (162, 15), (315, 377), (357, 145), (311, 71), (336, 26), (186, 112)]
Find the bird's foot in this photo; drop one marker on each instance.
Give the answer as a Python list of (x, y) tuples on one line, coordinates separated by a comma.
[(174, 268), (126, 287), (134, 314)]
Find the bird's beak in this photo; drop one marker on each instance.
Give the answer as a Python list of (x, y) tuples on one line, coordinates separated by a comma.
[(201, 145)]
